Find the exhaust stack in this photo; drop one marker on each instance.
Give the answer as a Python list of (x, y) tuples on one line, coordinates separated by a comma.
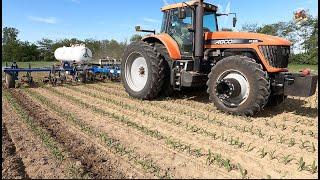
[(198, 37)]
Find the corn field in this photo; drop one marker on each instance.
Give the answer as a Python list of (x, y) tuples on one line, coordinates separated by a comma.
[(98, 131)]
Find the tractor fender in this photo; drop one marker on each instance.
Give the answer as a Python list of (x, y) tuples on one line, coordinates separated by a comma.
[(170, 44)]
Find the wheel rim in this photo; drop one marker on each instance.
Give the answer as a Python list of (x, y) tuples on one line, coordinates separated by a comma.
[(232, 88), (136, 72)]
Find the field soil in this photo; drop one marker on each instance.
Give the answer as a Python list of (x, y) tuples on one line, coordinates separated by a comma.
[(98, 131)]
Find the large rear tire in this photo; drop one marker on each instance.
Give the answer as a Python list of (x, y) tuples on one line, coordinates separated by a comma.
[(167, 90), (142, 70), (238, 85), (9, 80)]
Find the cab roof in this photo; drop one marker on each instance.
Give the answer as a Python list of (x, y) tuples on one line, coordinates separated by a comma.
[(190, 3)]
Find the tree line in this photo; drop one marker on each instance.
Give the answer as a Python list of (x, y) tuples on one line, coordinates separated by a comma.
[(14, 49), (304, 36)]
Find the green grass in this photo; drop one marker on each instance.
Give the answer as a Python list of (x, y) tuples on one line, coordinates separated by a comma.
[(33, 64), (299, 67)]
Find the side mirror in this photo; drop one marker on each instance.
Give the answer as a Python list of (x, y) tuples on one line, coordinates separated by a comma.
[(138, 28), (182, 13), (234, 21)]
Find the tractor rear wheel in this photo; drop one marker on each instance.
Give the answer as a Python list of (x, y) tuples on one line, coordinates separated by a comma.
[(167, 90), (9, 80), (142, 70), (238, 85)]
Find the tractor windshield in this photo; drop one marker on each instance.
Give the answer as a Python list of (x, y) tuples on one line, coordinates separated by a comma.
[(210, 21)]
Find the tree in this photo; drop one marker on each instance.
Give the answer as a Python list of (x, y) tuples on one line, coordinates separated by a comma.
[(9, 35), (250, 27), (269, 29), (45, 48), (135, 37)]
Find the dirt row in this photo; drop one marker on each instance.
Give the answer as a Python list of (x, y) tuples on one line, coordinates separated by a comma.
[(38, 164), (97, 163), (194, 139), (12, 165)]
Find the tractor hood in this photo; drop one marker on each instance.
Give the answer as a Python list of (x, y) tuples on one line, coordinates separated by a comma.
[(226, 37)]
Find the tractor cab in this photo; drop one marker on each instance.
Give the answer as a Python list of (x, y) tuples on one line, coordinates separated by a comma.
[(179, 21)]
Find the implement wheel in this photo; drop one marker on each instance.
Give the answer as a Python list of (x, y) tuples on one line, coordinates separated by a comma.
[(9, 80), (83, 77)]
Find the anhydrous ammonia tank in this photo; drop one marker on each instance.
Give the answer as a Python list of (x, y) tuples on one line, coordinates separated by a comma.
[(75, 53)]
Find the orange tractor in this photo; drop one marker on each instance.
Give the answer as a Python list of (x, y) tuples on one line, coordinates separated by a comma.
[(243, 71)]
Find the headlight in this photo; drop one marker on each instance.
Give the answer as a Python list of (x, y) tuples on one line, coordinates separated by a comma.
[(112, 71)]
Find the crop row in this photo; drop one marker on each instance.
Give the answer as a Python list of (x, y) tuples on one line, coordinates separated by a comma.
[(235, 141), (169, 141), (74, 170), (147, 164), (206, 117)]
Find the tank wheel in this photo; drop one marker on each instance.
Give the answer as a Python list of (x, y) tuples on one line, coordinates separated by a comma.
[(167, 90), (9, 80), (83, 77), (275, 100), (143, 71), (238, 85)]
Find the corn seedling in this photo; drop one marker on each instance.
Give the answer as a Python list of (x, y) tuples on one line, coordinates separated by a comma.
[(287, 159), (282, 139), (262, 153), (250, 148), (271, 137), (272, 155), (304, 144), (243, 171), (302, 164), (294, 129), (292, 142), (313, 168), (312, 148)]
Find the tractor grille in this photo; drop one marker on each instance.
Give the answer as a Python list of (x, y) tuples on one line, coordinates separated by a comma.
[(278, 56)]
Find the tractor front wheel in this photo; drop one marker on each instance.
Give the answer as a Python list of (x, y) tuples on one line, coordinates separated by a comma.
[(238, 85), (142, 70)]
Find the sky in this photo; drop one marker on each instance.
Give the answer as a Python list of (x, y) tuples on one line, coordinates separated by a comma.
[(109, 19)]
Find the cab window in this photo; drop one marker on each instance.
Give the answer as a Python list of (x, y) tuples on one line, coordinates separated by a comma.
[(209, 21), (178, 30)]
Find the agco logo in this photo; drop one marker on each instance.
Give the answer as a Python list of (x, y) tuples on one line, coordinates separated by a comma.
[(227, 41)]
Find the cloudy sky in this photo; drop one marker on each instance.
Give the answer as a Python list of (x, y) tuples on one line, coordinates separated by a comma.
[(108, 19)]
